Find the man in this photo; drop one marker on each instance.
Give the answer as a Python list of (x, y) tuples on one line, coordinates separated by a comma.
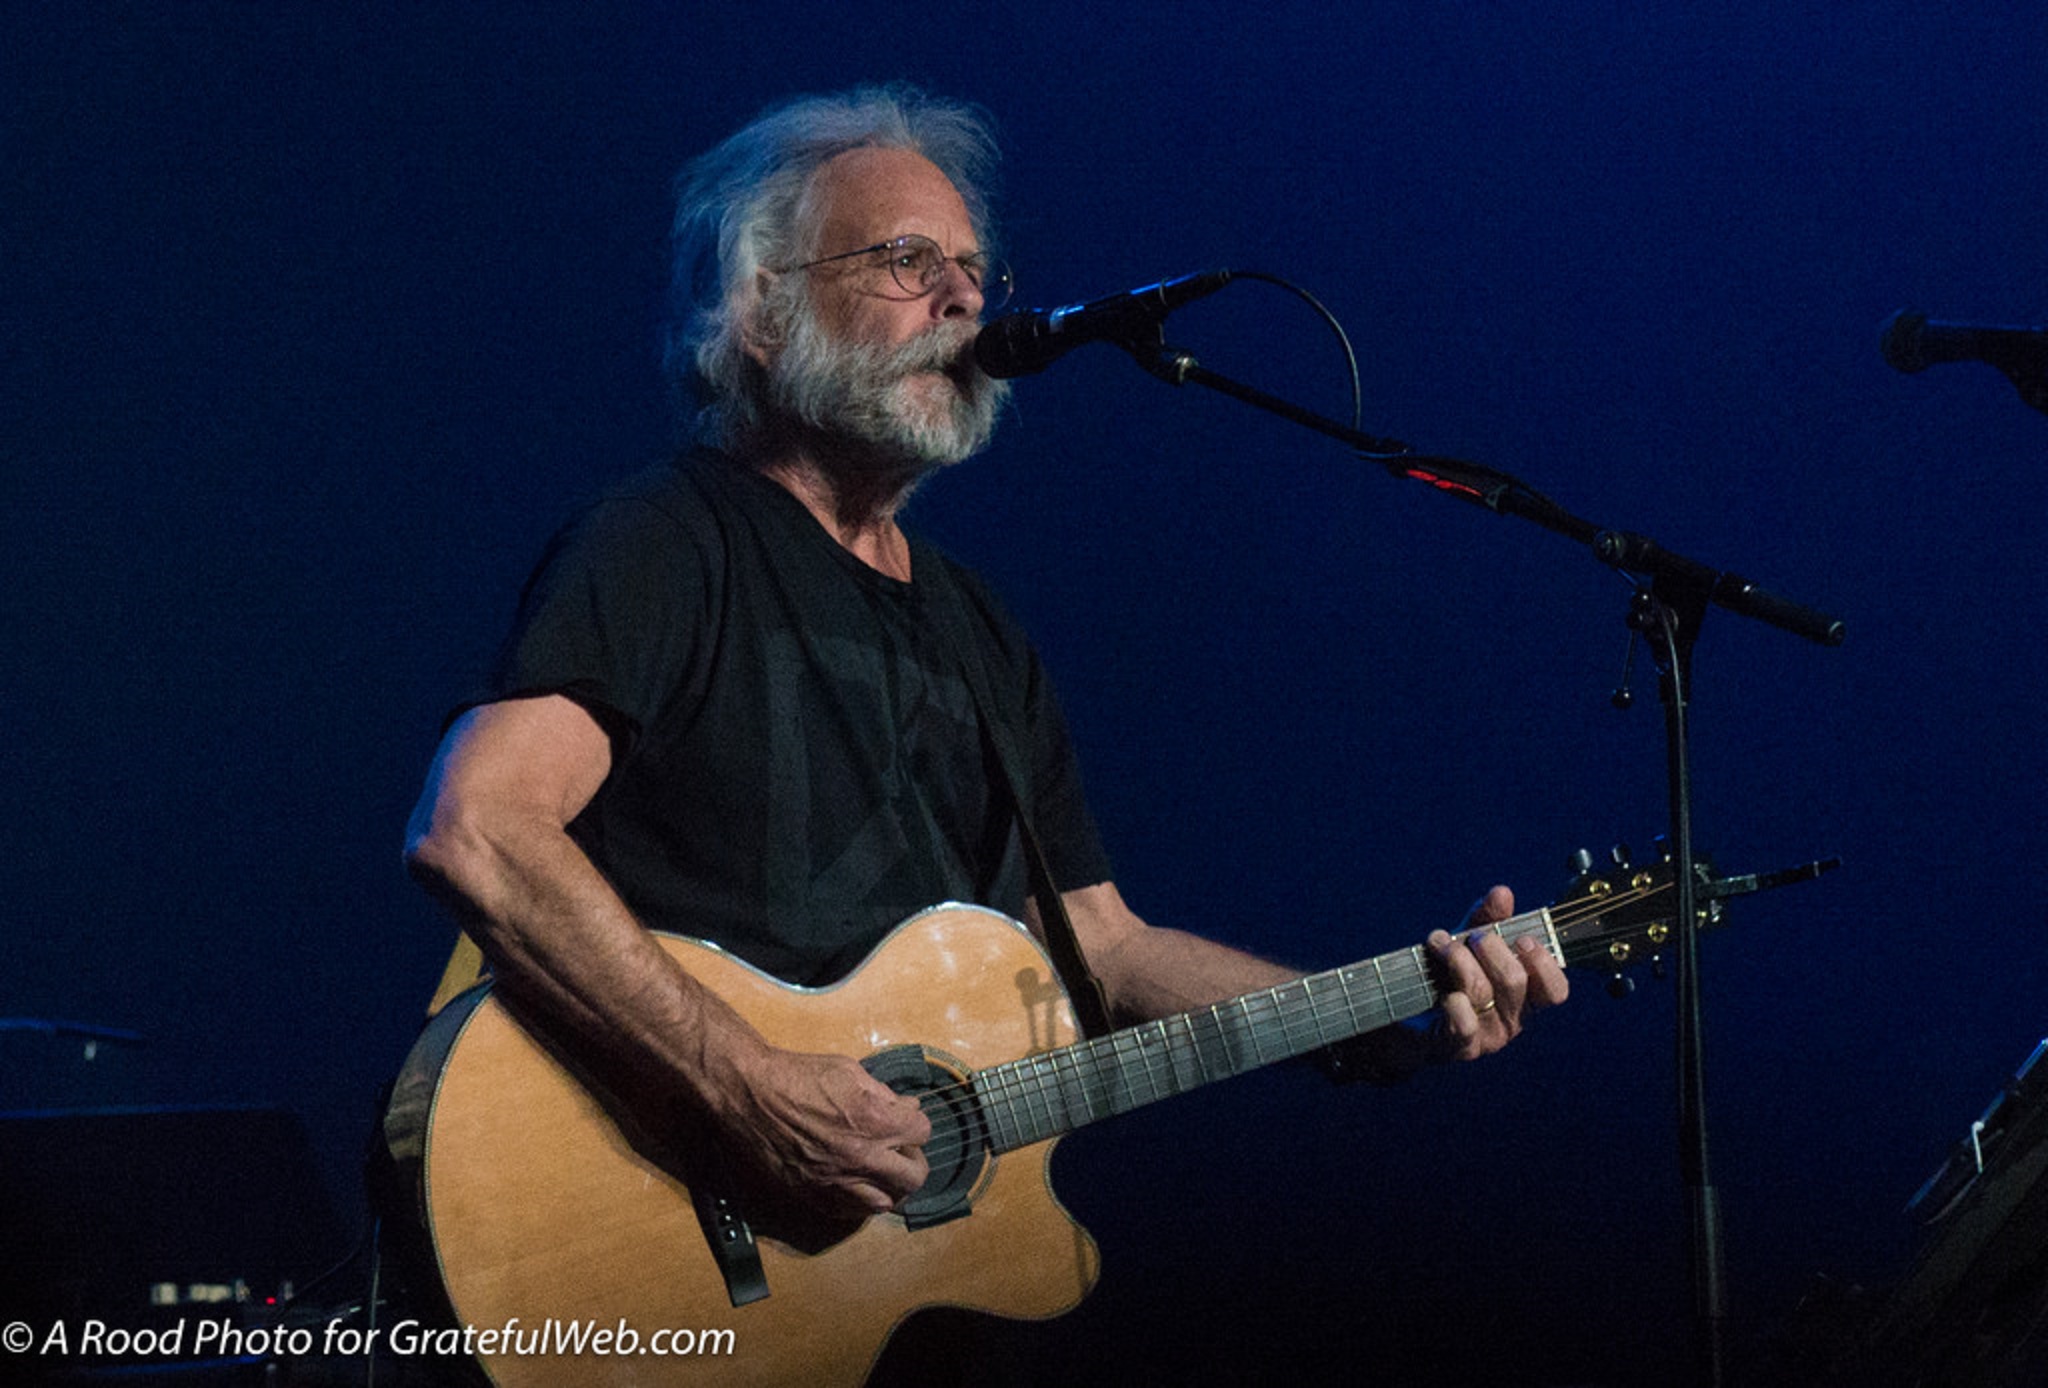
[(734, 708)]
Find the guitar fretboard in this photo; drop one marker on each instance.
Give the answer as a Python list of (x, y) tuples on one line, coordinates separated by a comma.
[(1041, 1096)]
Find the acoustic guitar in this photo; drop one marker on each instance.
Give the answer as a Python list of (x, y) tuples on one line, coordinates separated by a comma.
[(574, 1251)]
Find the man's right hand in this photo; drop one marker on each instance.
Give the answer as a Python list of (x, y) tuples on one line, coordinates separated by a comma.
[(826, 1130)]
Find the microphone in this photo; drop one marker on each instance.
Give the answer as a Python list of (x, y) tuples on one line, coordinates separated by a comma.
[(1031, 339), (1912, 343)]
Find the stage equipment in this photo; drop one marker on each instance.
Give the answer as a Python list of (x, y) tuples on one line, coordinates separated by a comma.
[(1029, 340), (142, 1216), (1972, 1311)]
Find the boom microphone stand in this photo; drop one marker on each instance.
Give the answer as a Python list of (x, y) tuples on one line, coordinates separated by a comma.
[(1672, 596)]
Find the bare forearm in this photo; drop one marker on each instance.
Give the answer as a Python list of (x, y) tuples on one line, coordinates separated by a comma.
[(1150, 971), (566, 948), (1160, 971)]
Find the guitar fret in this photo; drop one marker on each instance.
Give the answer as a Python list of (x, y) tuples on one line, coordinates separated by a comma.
[(1279, 1022), (1084, 1085), (1180, 1048), (1220, 1043), (1350, 1005), (1035, 1120), (1251, 1032), (1022, 1096), (1221, 1061), (1190, 1041), (999, 1100), (1198, 1048), (994, 1099), (1058, 1100), (1259, 1023), (1239, 1051), (1319, 1013), (1333, 1013), (1212, 1049), (1304, 991), (1062, 1065), (1056, 1115), (1127, 1075), (1276, 1022), (1151, 1045)]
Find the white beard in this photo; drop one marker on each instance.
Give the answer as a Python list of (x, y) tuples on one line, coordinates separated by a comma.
[(922, 402)]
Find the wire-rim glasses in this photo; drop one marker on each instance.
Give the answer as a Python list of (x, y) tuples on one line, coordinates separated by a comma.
[(917, 264)]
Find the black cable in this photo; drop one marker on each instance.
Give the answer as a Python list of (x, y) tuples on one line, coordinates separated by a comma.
[(1343, 340)]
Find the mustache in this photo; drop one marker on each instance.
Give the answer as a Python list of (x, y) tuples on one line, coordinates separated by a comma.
[(949, 347)]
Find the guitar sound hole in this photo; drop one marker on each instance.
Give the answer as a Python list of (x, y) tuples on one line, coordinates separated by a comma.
[(958, 1150)]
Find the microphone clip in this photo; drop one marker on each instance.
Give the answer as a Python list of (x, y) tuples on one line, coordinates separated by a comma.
[(1148, 347)]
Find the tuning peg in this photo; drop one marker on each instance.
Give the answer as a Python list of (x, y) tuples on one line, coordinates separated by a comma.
[(1620, 855), (1580, 863), (1620, 986)]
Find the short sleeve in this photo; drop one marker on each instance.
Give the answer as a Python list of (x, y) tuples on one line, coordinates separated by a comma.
[(617, 615)]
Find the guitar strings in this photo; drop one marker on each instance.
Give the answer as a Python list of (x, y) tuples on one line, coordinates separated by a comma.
[(1033, 1075), (1001, 1085), (1004, 1085)]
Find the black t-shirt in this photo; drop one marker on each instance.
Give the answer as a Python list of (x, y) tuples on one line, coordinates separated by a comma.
[(797, 763)]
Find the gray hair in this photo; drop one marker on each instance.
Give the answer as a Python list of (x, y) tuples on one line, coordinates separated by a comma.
[(747, 205)]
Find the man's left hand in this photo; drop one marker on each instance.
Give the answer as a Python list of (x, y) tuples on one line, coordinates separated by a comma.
[(1490, 987)]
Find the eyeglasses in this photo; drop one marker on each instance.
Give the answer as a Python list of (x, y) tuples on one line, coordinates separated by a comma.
[(917, 265)]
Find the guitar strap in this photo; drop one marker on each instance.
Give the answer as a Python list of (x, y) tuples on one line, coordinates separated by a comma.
[(1091, 1005)]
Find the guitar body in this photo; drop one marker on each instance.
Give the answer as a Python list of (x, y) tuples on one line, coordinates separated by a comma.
[(539, 1207)]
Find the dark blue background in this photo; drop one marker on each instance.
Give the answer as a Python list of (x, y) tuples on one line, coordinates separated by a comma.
[(319, 317)]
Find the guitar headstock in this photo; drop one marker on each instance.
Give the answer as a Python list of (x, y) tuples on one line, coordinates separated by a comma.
[(1621, 913)]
